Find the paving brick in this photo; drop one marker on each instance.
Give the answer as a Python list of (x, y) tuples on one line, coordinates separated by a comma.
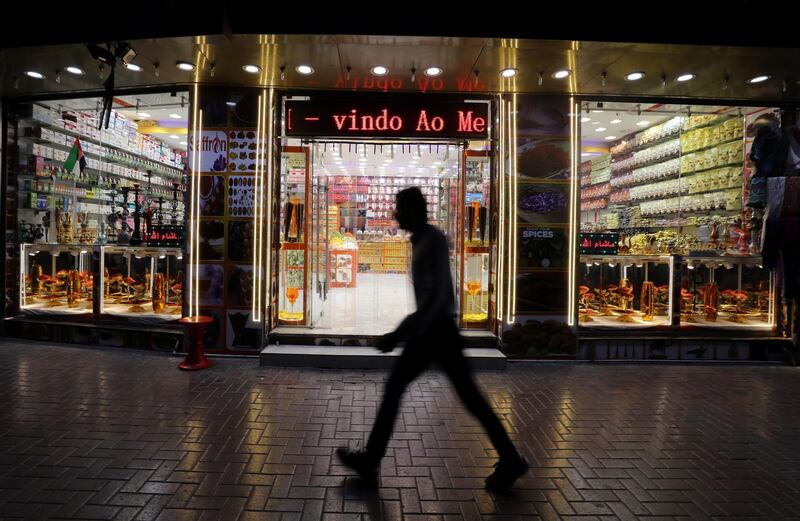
[(238, 441)]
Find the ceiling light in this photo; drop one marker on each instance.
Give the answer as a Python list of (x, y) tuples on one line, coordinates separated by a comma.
[(305, 69), (74, 70), (182, 143), (585, 154), (642, 123), (610, 138), (600, 129), (34, 74), (560, 75), (174, 136), (756, 79), (133, 67), (615, 121), (230, 103), (509, 72), (633, 76), (143, 115), (433, 71), (595, 122), (585, 119), (252, 69), (379, 70), (184, 66), (685, 77), (175, 116)]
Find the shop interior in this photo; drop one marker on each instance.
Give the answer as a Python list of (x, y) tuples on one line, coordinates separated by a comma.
[(357, 263), (117, 191), (666, 237)]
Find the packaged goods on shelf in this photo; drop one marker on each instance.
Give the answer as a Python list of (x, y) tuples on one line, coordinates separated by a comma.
[(660, 189), (658, 132), (657, 171), (601, 162), (620, 196), (658, 152), (595, 191), (601, 176), (624, 146), (594, 204), (626, 179), (622, 164)]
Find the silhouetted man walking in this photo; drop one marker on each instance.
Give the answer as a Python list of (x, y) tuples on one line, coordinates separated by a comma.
[(431, 335)]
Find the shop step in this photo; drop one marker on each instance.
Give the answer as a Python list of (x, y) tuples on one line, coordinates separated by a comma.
[(283, 335), (361, 357)]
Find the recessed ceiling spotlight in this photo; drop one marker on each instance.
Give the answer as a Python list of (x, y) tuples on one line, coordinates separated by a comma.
[(433, 71), (174, 136), (509, 72), (74, 70), (610, 138), (305, 69), (615, 121), (184, 66), (600, 129), (252, 69), (379, 70), (143, 115), (642, 123), (34, 74), (685, 77), (230, 103), (758, 79), (561, 74), (134, 67), (586, 119), (175, 116), (633, 76)]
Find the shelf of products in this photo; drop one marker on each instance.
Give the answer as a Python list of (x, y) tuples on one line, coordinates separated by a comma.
[(131, 189), (683, 196)]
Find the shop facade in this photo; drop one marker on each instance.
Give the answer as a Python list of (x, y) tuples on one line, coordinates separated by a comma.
[(630, 242)]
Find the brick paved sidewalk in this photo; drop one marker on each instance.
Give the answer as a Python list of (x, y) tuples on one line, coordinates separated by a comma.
[(115, 434)]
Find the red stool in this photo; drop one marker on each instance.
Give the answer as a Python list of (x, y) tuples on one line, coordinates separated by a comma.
[(195, 358)]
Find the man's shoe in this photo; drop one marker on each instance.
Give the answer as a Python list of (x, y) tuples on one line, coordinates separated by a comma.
[(506, 472), (364, 465)]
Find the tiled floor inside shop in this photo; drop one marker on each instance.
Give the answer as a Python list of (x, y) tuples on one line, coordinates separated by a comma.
[(122, 434), (375, 306)]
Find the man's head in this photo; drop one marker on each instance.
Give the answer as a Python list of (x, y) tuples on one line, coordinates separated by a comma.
[(412, 211)]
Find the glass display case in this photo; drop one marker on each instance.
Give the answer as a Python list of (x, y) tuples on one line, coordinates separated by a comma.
[(727, 292), (475, 268), (292, 282), (55, 278), (145, 283), (626, 291)]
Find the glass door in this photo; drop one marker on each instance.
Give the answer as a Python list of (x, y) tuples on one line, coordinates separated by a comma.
[(318, 283)]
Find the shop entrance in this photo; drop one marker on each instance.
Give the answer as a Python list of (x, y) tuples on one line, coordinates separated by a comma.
[(353, 256)]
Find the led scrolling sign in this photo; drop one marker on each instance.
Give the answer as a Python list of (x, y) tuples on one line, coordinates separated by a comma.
[(392, 116)]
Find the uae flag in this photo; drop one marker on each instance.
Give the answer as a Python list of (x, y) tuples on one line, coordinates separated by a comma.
[(75, 156)]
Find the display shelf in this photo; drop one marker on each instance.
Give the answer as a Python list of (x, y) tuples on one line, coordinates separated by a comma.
[(293, 246), (665, 139), (657, 161), (709, 147), (143, 181), (98, 142), (726, 165)]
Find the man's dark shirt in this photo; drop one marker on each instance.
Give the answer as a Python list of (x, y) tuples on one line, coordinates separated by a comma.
[(433, 284)]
